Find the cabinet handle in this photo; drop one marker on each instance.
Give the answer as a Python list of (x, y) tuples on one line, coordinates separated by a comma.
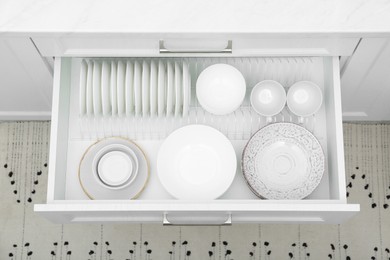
[(227, 222), (164, 50)]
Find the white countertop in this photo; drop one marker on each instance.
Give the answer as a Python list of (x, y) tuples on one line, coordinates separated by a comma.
[(37, 17)]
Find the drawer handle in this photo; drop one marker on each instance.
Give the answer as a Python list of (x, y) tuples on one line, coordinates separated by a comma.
[(227, 222), (164, 50)]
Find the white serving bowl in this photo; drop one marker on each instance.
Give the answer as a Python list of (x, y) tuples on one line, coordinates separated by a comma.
[(304, 98), (268, 98), (220, 89)]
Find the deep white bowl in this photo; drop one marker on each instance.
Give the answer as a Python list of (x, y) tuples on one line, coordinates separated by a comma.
[(220, 89), (304, 98), (268, 98)]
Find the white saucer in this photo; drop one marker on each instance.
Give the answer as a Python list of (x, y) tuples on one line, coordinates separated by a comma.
[(196, 162), (186, 89), (137, 88), (161, 88), (129, 88), (113, 79), (89, 90), (106, 95), (283, 161), (153, 88), (83, 88), (121, 87), (170, 88), (107, 188)]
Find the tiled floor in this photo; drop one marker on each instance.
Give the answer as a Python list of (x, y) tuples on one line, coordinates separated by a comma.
[(24, 235)]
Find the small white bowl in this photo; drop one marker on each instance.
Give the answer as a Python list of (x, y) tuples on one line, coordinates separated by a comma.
[(268, 98), (220, 89), (304, 98)]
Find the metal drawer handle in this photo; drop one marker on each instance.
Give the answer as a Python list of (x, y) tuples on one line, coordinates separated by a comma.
[(227, 222), (164, 50)]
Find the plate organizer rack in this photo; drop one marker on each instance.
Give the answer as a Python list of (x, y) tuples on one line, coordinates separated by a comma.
[(73, 134), (239, 125)]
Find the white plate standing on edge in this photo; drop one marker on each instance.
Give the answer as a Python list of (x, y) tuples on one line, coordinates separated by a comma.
[(161, 88), (106, 95), (145, 88), (283, 161), (137, 88), (89, 92), (121, 87), (196, 162), (94, 188), (178, 90), (97, 88), (170, 88), (186, 89), (114, 103), (83, 88), (129, 88), (153, 88)]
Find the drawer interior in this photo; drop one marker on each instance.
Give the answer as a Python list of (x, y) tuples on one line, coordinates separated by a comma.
[(73, 134)]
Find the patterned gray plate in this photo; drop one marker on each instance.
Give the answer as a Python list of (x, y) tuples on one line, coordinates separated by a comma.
[(283, 161)]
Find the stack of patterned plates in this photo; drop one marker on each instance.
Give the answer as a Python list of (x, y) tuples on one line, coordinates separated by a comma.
[(283, 161)]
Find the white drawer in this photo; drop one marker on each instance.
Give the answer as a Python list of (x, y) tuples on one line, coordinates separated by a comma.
[(70, 137)]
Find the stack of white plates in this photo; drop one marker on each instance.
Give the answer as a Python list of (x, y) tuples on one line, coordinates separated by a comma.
[(134, 88)]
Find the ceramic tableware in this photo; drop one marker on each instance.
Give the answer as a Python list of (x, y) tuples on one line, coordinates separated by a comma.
[(283, 161), (145, 88), (304, 98), (113, 87), (106, 98), (129, 88), (196, 162), (101, 157), (83, 88), (220, 89), (121, 87), (268, 98), (153, 88), (186, 88), (137, 88), (161, 88), (178, 90), (89, 91), (170, 88)]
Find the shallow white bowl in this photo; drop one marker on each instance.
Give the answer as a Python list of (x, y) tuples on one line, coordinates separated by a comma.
[(196, 162), (220, 89), (304, 98), (268, 98)]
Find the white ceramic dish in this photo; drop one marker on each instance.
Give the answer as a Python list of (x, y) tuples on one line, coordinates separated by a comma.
[(268, 98), (153, 88), (178, 90), (186, 88), (304, 98), (145, 88), (97, 88), (113, 79), (196, 162), (283, 161), (89, 92), (93, 185), (137, 88), (83, 88), (220, 89), (129, 88), (161, 88), (121, 87), (106, 95), (170, 89)]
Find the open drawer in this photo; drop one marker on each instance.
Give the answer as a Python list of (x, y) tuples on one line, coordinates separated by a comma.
[(71, 135)]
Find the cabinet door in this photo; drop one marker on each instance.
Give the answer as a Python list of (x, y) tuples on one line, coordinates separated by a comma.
[(25, 81), (365, 84)]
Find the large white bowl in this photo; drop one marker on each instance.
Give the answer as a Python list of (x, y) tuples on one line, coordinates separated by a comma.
[(196, 162), (268, 98), (304, 98), (220, 89)]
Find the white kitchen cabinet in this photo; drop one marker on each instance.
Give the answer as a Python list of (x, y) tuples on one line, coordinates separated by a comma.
[(25, 81), (365, 83), (71, 136)]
